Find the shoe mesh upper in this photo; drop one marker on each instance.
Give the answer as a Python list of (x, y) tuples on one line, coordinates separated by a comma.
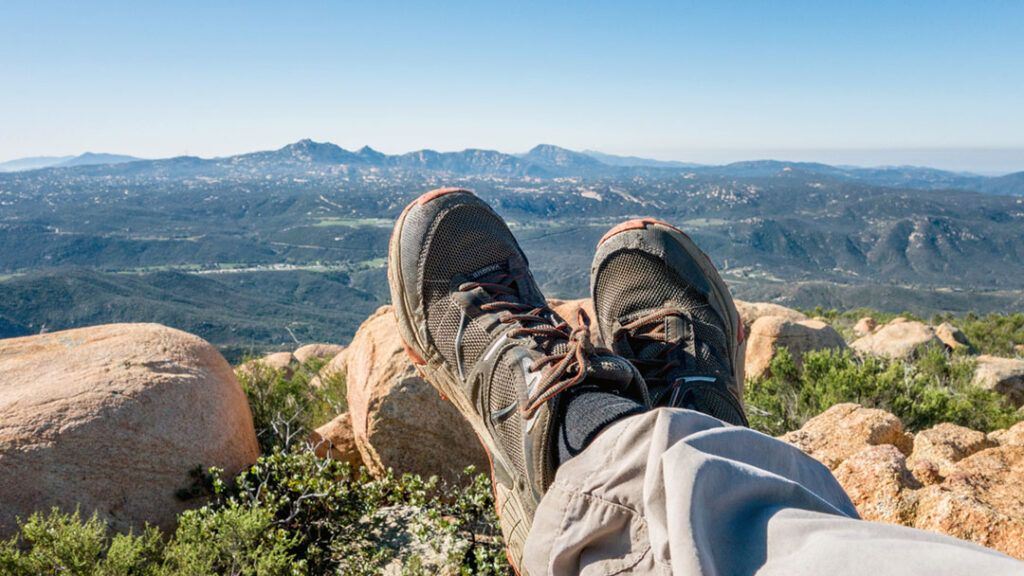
[(467, 239), (633, 283), (504, 390)]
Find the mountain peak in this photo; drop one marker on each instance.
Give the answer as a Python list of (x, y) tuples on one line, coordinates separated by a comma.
[(551, 155), (93, 158), (369, 153), (307, 150)]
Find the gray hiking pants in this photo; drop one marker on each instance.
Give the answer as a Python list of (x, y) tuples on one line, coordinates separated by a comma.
[(677, 492)]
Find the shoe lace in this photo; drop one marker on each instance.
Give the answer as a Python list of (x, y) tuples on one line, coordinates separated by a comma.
[(652, 353), (565, 366)]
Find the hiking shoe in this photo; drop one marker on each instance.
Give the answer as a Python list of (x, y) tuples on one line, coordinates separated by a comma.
[(477, 327), (661, 304)]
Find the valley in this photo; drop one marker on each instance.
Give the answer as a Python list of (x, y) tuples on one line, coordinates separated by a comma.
[(260, 250)]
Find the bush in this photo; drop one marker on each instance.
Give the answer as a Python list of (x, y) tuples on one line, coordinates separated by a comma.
[(58, 543), (286, 409), (993, 334), (291, 513), (357, 526), (228, 540), (934, 388), (233, 538)]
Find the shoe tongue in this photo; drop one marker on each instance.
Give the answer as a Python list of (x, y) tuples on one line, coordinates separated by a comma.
[(498, 273), (675, 328), (693, 355)]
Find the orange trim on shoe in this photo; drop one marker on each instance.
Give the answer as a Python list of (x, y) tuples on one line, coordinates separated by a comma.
[(636, 224), (428, 196), (416, 359)]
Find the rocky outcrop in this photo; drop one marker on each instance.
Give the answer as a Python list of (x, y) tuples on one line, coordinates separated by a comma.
[(112, 419), (1012, 436), (335, 440), (277, 361), (864, 326), (845, 429), (953, 337), (1004, 375), (900, 338), (398, 420), (751, 311), (324, 352), (943, 446), (770, 333), (878, 482), (981, 501), (947, 479)]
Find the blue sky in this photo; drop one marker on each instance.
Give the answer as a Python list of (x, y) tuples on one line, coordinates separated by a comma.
[(938, 83)]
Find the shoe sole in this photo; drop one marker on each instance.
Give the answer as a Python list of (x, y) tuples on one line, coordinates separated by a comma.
[(719, 291), (510, 507)]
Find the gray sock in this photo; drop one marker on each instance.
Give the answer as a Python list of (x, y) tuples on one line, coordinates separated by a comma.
[(585, 412)]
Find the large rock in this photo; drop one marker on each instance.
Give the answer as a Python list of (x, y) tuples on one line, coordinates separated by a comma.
[(864, 326), (399, 421), (335, 440), (112, 419), (1013, 436), (946, 444), (276, 361), (953, 337), (878, 482), (845, 429), (983, 501), (900, 338), (324, 352), (769, 333), (336, 366), (751, 311), (1004, 375)]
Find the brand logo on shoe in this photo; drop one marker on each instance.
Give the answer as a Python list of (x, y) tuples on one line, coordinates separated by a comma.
[(485, 271)]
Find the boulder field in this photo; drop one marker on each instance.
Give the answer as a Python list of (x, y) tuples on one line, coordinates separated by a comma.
[(113, 418), (946, 479)]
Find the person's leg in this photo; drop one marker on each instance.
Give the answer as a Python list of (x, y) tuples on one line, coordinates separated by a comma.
[(674, 491)]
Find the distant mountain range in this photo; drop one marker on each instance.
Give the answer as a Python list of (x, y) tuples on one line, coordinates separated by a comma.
[(542, 161), (259, 249), (87, 159)]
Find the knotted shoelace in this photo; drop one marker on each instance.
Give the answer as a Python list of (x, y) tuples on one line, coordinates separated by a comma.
[(561, 370)]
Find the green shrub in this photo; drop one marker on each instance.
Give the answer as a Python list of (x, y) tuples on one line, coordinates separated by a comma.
[(341, 522), (291, 513), (931, 389), (58, 543), (286, 409), (233, 538), (993, 334)]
